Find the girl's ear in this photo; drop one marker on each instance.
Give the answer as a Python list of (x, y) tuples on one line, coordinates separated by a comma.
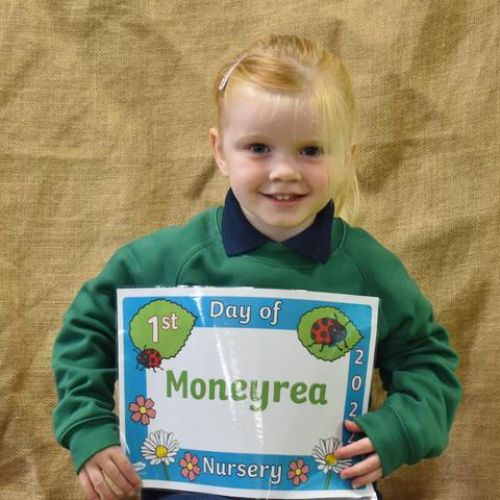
[(351, 155), (354, 152), (218, 150)]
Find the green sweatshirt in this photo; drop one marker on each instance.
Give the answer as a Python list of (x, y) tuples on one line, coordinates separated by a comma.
[(416, 362)]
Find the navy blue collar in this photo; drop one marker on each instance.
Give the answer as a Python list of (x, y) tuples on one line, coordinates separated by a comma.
[(239, 236)]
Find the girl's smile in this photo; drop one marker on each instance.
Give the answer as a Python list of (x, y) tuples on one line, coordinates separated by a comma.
[(285, 199)]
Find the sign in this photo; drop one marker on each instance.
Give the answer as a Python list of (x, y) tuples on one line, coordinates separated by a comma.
[(243, 391)]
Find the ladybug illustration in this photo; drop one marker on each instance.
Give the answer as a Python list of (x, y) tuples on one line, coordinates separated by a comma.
[(149, 358), (328, 332)]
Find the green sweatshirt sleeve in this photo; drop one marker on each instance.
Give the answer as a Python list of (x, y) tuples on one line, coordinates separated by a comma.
[(417, 367), (84, 363)]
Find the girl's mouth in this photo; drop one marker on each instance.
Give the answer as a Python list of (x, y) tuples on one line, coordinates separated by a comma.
[(285, 197)]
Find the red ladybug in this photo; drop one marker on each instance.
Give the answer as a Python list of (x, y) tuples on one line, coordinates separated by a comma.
[(149, 358), (328, 332)]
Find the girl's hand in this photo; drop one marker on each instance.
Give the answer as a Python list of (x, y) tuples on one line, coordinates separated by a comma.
[(109, 475), (368, 470)]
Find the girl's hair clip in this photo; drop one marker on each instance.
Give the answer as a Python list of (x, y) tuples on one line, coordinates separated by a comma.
[(225, 79)]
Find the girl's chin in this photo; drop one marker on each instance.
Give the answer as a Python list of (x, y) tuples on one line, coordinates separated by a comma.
[(280, 229)]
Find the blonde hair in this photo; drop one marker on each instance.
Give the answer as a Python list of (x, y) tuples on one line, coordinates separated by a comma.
[(293, 69)]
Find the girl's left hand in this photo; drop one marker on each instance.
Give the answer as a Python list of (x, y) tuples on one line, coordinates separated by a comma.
[(368, 470)]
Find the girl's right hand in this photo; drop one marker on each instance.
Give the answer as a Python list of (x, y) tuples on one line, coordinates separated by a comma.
[(109, 475)]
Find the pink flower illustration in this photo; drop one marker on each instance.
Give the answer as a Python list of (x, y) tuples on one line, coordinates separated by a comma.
[(298, 472), (142, 410), (189, 466)]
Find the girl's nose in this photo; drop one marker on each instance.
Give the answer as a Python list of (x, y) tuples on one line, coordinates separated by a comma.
[(284, 170)]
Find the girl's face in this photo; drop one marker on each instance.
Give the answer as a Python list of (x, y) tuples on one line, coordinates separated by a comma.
[(273, 158)]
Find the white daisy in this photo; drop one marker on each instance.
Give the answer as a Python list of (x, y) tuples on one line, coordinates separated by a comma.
[(160, 446), (324, 454)]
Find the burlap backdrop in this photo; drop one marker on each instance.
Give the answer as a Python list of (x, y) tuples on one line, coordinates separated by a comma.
[(104, 109)]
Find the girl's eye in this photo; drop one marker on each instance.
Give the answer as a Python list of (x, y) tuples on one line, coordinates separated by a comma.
[(312, 151), (259, 148)]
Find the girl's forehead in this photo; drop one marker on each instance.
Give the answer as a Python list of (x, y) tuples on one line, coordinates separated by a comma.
[(252, 105)]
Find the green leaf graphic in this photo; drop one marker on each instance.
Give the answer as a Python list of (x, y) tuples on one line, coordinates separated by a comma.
[(162, 325), (331, 347)]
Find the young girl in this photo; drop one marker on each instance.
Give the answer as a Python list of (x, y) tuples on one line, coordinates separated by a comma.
[(284, 137)]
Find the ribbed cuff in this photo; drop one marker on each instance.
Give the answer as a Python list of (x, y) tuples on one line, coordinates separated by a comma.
[(91, 437), (386, 431)]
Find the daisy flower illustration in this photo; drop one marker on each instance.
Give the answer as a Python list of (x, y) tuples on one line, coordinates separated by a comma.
[(298, 472), (189, 466), (324, 454), (160, 447), (142, 410)]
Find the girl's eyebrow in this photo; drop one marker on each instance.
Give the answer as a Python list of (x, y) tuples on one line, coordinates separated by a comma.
[(312, 140), (252, 137)]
